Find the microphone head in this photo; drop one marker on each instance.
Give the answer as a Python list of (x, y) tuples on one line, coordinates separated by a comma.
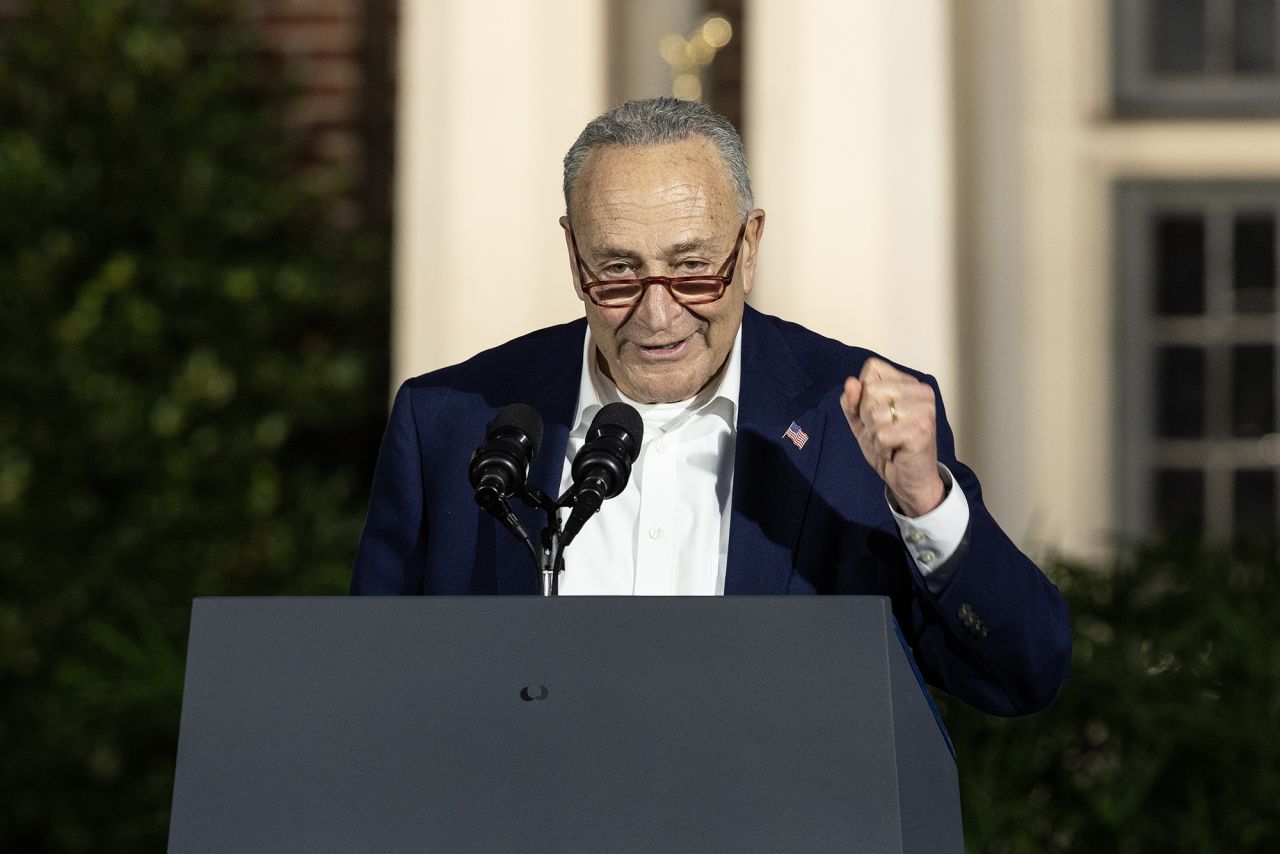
[(602, 467), (612, 445), (500, 466), (523, 418), (620, 420)]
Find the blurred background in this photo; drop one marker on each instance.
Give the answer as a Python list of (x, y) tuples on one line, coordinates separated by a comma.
[(229, 228)]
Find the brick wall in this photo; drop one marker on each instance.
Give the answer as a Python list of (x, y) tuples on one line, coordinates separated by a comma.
[(340, 55)]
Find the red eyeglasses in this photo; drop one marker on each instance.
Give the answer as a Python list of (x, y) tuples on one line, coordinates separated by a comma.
[(686, 290)]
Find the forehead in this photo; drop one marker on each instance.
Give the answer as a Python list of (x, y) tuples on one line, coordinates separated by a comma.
[(641, 187)]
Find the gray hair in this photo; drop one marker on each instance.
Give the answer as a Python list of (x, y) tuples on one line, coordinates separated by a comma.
[(658, 121)]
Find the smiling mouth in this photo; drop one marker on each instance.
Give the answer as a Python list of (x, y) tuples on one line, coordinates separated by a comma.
[(663, 351)]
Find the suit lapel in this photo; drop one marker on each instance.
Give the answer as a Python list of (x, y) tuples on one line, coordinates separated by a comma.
[(773, 477), (551, 388)]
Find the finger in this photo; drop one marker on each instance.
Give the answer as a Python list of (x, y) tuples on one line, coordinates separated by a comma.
[(877, 412), (906, 389), (886, 392), (870, 406), (894, 412), (881, 449), (881, 407), (878, 370), (868, 372), (915, 431), (907, 400), (851, 401), (852, 395), (911, 438)]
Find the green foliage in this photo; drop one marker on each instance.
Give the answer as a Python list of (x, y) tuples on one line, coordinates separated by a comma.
[(192, 386), (1167, 734)]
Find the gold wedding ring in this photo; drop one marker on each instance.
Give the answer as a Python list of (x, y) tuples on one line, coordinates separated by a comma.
[(893, 411)]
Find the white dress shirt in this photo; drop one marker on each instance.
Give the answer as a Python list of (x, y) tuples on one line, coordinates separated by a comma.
[(667, 533)]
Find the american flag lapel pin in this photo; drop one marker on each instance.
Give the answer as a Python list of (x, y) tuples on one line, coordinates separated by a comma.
[(797, 435)]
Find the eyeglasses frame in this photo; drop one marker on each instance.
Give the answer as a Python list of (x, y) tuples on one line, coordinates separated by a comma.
[(724, 277)]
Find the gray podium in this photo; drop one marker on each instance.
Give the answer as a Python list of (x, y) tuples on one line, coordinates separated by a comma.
[(477, 724)]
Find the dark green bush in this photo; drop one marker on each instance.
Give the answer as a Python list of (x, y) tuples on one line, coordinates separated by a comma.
[(1167, 734), (192, 387)]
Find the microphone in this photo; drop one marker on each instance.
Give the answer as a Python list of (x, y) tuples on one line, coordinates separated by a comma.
[(500, 466), (603, 466)]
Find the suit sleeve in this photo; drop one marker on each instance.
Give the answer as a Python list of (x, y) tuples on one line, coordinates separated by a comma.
[(391, 557), (997, 634)]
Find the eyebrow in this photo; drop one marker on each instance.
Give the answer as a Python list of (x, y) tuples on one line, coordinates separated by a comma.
[(700, 244)]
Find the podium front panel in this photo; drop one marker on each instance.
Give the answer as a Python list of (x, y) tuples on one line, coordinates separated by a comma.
[(560, 725)]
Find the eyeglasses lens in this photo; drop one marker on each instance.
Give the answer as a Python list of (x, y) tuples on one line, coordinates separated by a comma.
[(685, 291)]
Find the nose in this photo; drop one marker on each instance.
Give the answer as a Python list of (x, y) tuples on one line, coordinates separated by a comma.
[(657, 310)]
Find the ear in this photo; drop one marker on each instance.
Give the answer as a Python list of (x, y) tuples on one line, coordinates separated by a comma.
[(751, 249), (573, 263)]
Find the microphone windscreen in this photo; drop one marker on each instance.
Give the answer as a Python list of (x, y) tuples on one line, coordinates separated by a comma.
[(523, 418), (624, 417)]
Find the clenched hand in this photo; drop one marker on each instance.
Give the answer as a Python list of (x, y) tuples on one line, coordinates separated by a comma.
[(893, 416)]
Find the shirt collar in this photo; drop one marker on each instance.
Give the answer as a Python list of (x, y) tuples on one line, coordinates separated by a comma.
[(720, 397)]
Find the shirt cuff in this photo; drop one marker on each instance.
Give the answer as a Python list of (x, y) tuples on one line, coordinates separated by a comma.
[(934, 537)]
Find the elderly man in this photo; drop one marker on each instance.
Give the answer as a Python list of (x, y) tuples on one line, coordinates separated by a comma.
[(774, 460)]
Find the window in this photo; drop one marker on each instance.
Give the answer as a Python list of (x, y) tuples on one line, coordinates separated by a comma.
[(1197, 57), (1197, 349)]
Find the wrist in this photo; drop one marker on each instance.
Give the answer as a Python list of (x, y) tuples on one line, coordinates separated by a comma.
[(921, 501)]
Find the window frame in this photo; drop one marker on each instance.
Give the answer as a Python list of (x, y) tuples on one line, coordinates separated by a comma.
[(1217, 93), (1139, 332)]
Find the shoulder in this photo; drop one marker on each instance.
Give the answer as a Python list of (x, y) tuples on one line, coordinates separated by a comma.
[(495, 377), (826, 360), (511, 364)]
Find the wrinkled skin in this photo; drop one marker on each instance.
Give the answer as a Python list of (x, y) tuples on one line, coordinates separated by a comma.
[(663, 210)]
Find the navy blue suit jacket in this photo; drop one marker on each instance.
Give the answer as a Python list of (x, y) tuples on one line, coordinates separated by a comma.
[(805, 520)]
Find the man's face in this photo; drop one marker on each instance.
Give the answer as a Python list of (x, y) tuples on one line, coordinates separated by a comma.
[(663, 210)]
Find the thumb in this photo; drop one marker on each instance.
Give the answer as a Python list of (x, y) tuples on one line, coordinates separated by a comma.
[(850, 401)]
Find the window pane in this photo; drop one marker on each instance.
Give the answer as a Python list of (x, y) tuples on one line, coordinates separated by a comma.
[(1179, 502), (1255, 506), (1254, 37), (1177, 36), (1254, 262), (1252, 390), (1179, 246), (1180, 392)]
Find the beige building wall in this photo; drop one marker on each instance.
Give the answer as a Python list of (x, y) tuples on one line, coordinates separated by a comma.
[(991, 295), (850, 150), (490, 97), (1040, 152), (938, 177), (849, 135), (636, 67)]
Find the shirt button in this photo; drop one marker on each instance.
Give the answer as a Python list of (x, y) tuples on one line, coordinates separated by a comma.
[(660, 447), (916, 536), (927, 556), (655, 533)]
